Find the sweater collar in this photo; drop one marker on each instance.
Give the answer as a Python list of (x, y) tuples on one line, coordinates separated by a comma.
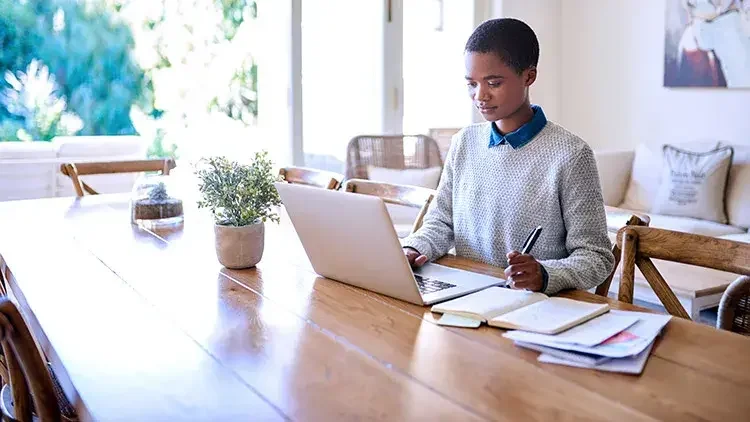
[(524, 134)]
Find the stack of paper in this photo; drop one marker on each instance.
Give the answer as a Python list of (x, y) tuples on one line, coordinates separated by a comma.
[(618, 341)]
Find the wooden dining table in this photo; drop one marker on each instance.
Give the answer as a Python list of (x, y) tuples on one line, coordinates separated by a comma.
[(146, 325)]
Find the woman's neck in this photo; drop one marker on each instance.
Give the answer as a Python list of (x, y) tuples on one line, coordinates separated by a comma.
[(518, 118)]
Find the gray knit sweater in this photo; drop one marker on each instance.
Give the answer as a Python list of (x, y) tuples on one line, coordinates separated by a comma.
[(490, 198)]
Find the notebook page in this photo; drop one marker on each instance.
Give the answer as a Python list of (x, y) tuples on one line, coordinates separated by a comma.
[(550, 316), (490, 302)]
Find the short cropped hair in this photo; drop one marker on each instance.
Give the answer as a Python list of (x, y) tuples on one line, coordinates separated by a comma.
[(511, 39)]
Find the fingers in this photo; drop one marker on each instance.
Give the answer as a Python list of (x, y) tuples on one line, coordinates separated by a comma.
[(524, 281), (526, 275), (515, 257), (523, 268), (415, 258)]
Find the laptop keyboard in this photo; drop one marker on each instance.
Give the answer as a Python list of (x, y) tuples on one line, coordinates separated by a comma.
[(430, 285)]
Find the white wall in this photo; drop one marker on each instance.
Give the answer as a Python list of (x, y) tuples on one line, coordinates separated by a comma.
[(543, 16), (611, 88)]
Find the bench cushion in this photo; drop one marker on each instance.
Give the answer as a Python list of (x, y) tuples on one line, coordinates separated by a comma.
[(741, 237), (27, 150), (681, 224)]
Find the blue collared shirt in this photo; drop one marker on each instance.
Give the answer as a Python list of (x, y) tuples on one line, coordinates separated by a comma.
[(524, 134)]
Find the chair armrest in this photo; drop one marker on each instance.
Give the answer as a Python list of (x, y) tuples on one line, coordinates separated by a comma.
[(614, 174)]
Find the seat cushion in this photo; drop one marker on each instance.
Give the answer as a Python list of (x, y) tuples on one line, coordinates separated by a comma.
[(741, 237), (109, 147), (693, 225), (426, 178), (618, 218), (27, 179), (27, 150)]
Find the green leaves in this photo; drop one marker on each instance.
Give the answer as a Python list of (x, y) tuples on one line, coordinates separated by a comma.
[(238, 194), (87, 48), (158, 193)]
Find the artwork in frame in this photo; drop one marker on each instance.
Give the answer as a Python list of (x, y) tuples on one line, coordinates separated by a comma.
[(707, 43)]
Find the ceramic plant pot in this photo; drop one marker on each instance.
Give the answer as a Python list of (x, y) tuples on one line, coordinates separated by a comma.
[(239, 247)]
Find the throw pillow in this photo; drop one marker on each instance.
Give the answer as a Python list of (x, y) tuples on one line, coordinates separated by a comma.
[(694, 184), (426, 178), (646, 174)]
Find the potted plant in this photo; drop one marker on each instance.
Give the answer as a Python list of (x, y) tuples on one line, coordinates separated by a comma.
[(241, 198)]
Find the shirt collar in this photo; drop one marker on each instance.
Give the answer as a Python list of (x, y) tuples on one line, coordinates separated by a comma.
[(524, 134)]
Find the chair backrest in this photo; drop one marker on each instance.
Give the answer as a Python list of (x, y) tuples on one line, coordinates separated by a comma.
[(734, 308), (311, 177), (75, 170), (30, 381), (390, 151), (410, 196), (641, 244)]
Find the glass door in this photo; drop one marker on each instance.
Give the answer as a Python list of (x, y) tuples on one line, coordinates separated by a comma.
[(343, 84)]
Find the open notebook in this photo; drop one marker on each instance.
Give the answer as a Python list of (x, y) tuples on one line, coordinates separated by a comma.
[(522, 310)]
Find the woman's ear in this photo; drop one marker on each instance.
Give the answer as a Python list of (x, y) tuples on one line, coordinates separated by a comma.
[(529, 76)]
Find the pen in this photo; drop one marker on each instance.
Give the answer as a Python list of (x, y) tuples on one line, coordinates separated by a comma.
[(531, 240), (529, 244)]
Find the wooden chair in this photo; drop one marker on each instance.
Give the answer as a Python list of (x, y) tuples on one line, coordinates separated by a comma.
[(311, 177), (75, 170), (634, 220), (734, 308), (31, 392), (410, 196), (640, 244), (390, 151)]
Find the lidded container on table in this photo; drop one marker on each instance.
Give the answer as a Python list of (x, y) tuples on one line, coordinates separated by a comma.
[(155, 202)]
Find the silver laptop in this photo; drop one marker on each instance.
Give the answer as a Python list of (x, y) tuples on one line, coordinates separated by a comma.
[(350, 238)]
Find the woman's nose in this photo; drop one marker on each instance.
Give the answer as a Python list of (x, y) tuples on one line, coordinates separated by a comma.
[(482, 93)]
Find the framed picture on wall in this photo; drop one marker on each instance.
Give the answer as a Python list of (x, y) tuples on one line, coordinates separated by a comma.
[(707, 43)]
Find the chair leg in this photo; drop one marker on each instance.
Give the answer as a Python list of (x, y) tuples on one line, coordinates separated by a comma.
[(603, 289), (627, 275), (19, 387), (661, 288), (71, 171)]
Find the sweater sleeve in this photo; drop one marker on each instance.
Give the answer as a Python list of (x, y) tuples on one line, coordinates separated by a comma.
[(435, 238), (590, 259)]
